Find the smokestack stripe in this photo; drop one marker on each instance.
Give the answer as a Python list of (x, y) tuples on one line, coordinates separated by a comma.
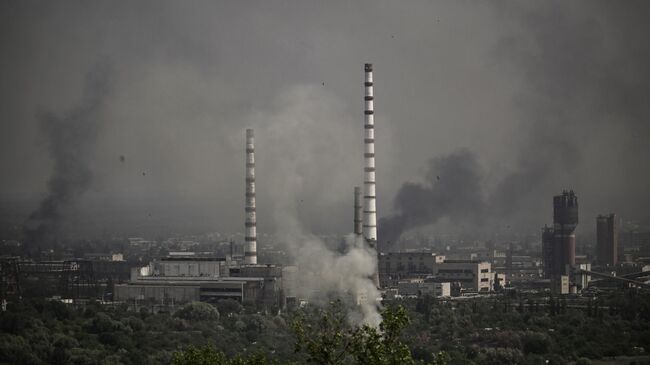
[(358, 212), (250, 251)]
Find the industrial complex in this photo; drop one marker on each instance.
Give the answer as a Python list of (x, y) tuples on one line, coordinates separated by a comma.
[(438, 269)]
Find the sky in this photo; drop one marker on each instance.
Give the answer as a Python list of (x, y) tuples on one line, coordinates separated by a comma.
[(516, 100)]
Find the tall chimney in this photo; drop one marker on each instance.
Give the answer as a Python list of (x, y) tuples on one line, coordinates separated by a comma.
[(369, 197), (250, 252), (358, 212), (369, 193)]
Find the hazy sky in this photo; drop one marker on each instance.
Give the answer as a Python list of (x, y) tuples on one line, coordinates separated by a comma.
[(543, 96)]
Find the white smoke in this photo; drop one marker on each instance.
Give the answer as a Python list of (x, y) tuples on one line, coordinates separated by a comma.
[(304, 134), (323, 272)]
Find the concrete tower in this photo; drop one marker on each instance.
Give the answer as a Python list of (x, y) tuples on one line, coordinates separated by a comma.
[(369, 193), (607, 227), (547, 252), (565, 220), (358, 212), (250, 252)]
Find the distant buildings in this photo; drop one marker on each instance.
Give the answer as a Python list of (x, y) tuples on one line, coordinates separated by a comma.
[(415, 271), (607, 227), (474, 275), (175, 280), (418, 287)]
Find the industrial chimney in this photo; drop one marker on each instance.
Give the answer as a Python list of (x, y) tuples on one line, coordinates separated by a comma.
[(250, 252), (358, 212), (369, 197), (369, 193)]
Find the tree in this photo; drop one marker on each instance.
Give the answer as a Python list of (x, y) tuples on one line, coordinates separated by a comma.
[(198, 311), (331, 340)]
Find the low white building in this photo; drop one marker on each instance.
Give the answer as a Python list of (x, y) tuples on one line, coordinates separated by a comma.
[(418, 287), (472, 275)]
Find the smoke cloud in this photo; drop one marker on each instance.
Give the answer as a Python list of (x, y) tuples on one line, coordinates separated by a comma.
[(452, 188), (70, 137), (297, 138), (582, 106), (324, 272)]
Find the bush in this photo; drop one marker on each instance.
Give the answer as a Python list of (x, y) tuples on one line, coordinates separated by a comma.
[(198, 311), (228, 306)]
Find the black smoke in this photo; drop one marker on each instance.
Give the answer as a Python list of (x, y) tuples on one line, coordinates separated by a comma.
[(585, 75), (71, 137), (585, 96), (452, 188)]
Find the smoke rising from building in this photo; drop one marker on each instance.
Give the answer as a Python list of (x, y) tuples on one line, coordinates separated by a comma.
[(301, 136), (452, 188), (71, 137), (325, 272)]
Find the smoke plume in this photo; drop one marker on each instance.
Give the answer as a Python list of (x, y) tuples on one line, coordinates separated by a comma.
[(583, 107), (70, 137), (583, 101), (452, 188), (301, 136)]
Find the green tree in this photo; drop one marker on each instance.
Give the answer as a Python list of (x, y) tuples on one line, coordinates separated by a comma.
[(331, 340), (198, 311)]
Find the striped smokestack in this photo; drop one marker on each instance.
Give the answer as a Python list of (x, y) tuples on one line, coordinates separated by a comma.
[(358, 212), (250, 252), (369, 196), (369, 193)]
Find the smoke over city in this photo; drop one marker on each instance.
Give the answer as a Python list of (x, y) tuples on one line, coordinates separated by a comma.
[(583, 105), (71, 137), (296, 131), (452, 188), (546, 96)]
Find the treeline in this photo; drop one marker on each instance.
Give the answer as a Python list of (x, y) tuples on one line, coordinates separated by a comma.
[(518, 330), (49, 332), (497, 330)]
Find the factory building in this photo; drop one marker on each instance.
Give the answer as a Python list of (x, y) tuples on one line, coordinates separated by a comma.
[(271, 292), (559, 243), (547, 252), (394, 266), (419, 287), (565, 220), (400, 267), (175, 280), (473, 276), (186, 266), (607, 239)]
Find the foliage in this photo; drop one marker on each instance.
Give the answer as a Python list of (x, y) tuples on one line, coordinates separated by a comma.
[(331, 340), (198, 311), (496, 330), (210, 356)]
